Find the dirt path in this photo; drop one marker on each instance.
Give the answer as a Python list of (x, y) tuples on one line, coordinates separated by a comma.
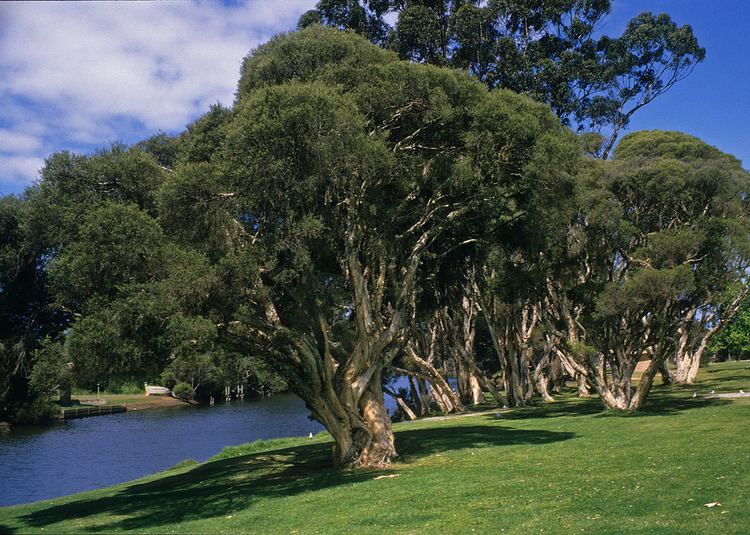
[(462, 415)]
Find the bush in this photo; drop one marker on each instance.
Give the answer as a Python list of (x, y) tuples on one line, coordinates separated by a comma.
[(35, 411), (183, 391)]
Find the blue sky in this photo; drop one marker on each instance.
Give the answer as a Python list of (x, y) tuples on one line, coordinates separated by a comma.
[(78, 76)]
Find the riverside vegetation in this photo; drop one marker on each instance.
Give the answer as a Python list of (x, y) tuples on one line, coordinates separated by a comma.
[(560, 467)]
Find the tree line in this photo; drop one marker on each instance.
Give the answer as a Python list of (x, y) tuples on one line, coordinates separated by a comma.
[(354, 216)]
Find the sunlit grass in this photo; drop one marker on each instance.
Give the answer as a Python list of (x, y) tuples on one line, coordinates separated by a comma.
[(557, 468)]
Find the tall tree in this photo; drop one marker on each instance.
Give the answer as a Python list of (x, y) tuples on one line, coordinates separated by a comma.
[(347, 171), (548, 49)]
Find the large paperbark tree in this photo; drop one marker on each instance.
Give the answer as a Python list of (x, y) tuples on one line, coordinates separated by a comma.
[(342, 171)]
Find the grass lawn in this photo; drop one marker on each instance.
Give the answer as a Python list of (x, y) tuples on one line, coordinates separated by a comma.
[(564, 467)]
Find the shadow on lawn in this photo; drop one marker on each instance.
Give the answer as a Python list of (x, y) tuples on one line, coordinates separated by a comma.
[(666, 404), (417, 442), (223, 487), (662, 401), (574, 407)]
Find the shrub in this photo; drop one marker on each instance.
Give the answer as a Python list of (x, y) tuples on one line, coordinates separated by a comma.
[(183, 391)]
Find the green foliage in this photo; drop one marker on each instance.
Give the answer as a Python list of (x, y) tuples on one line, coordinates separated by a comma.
[(163, 147), (25, 314), (314, 52), (547, 50), (204, 136), (52, 369), (183, 391), (117, 245), (34, 410), (733, 341)]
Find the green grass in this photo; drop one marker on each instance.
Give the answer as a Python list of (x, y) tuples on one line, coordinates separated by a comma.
[(559, 468)]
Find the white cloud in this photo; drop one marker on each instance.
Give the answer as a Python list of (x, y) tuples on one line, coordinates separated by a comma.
[(19, 171), (90, 73), (18, 142)]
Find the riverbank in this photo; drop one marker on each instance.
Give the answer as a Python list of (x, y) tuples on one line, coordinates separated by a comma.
[(561, 467), (133, 402)]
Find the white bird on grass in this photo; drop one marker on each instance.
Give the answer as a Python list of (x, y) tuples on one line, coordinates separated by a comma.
[(695, 394)]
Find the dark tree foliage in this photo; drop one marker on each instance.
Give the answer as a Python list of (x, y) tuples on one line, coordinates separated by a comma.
[(25, 312)]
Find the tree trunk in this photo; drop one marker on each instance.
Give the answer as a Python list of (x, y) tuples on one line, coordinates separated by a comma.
[(666, 375), (543, 388), (424, 395), (540, 376), (583, 385), (442, 393), (647, 380)]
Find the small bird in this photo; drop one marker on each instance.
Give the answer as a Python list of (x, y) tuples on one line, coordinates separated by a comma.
[(695, 394), (713, 392), (309, 436), (741, 392), (498, 415)]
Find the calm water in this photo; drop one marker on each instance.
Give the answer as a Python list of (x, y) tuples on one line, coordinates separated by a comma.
[(95, 452)]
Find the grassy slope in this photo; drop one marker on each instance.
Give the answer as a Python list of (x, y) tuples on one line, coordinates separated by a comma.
[(557, 468)]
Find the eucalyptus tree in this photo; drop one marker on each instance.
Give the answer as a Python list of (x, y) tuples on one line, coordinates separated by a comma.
[(550, 50), (665, 246), (343, 171)]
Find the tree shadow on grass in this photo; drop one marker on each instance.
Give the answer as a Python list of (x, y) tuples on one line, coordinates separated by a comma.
[(5, 529), (712, 379), (223, 487), (415, 443), (667, 405), (576, 407), (661, 402), (212, 490)]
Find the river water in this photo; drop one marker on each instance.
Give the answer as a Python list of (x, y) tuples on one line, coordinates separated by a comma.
[(46, 462)]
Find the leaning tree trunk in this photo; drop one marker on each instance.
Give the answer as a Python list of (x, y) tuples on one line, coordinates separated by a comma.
[(542, 371), (440, 390)]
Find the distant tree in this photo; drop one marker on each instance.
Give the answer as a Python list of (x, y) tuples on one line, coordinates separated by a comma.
[(733, 340), (26, 316)]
